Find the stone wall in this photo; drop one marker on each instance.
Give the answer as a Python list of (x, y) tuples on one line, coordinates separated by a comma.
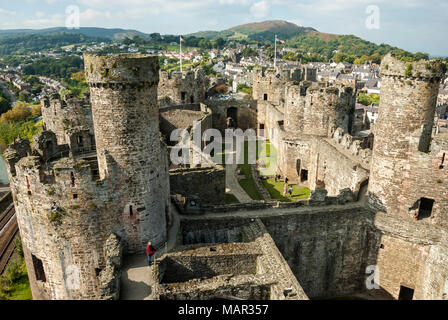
[(205, 185), (325, 251), (250, 268), (334, 164), (64, 115), (182, 88), (245, 111), (269, 83)]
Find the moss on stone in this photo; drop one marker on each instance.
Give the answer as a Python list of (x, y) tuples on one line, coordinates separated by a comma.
[(408, 72)]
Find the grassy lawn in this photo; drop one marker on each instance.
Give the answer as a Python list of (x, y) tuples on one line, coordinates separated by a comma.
[(268, 156), (248, 183), (230, 199), (275, 189)]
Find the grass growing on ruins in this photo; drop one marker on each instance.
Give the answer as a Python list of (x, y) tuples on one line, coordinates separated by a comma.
[(275, 189)]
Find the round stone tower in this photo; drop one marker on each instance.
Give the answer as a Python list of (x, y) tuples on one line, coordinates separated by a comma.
[(123, 92), (403, 132)]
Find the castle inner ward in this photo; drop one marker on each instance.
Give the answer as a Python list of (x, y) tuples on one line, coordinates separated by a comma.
[(98, 183)]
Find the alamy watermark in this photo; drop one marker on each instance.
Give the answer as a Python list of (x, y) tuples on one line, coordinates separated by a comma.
[(72, 17), (373, 280), (197, 146), (373, 18)]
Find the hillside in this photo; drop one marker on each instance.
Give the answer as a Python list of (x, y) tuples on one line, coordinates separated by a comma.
[(259, 31), (112, 34)]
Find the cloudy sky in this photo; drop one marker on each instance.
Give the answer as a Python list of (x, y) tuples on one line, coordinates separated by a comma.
[(415, 25)]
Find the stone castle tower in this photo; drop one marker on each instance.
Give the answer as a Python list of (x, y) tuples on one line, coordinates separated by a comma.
[(319, 108), (409, 175), (126, 124), (187, 87), (80, 207)]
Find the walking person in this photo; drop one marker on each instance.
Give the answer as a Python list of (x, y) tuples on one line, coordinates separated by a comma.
[(286, 180), (150, 251), (285, 190), (290, 191)]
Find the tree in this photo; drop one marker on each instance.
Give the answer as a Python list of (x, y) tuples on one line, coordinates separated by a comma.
[(5, 104), (19, 113), (220, 43)]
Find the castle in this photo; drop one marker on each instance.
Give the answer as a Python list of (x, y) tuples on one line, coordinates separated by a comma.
[(97, 184)]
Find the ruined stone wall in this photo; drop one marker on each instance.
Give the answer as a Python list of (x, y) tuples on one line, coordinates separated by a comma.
[(411, 255), (264, 267), (319, 108), (269, 83), (181, 88), (205, 185), (270, 118), (126, 122), (406, 166), (64, 115), (334, 164), (326, 251), (246, 115)]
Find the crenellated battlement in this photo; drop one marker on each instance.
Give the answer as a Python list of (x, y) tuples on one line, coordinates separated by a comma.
[(318, 108), (176, 88), (189, 75), (121, 69), (423, 70), (67, 116), (276, 74)]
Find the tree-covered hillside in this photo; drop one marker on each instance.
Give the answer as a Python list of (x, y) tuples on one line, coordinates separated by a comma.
[(32, 43)]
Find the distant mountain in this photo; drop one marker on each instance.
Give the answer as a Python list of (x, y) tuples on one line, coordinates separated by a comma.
[(260, 31), (113, 34)]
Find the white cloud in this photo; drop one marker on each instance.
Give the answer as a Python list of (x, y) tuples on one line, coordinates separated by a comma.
[(260, 9), (7, 12)]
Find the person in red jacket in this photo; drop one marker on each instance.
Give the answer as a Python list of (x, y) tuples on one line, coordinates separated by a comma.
[(150, 251)]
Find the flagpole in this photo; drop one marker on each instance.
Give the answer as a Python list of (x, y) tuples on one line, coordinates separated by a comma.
[(180, 52), (275, 52)]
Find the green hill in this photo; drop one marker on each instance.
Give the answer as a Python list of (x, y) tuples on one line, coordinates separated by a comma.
[(112, 34), (259, 31)]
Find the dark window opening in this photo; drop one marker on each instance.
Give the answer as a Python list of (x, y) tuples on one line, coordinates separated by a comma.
[(39, 269), (261, 129), (442, 165), (48, 145), (191, 99), (80, 141), (304, 175), (381, 246), (265, 97), (212, 249), (425, 209), (131, 211), (28, 185), (75, 196), (98, 271), (406, 293), (72, 179), (182, 96)]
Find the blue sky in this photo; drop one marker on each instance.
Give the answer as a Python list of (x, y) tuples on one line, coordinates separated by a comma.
[(415, 25)]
